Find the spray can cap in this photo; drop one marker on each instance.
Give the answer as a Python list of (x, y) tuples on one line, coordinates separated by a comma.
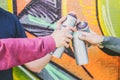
[(81, 25), (73, 15)]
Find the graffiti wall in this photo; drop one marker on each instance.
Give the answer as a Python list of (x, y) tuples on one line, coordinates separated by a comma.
[(39, 18)]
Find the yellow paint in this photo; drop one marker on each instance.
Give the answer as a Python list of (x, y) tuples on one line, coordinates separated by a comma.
[(10, 6), (64, 7), (80, 2), (104, 29)]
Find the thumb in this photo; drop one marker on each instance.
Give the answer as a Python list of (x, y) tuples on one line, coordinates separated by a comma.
[(59, 23), (81, 37)]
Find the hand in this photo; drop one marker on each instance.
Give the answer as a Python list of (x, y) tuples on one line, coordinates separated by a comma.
[(92, 38), (61, 37), (63, 19)]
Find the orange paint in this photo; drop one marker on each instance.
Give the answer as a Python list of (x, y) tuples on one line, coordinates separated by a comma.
[(21, 5), (101, 66), (30, 35)]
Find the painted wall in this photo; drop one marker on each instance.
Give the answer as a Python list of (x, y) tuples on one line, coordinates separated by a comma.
[(39, 19)]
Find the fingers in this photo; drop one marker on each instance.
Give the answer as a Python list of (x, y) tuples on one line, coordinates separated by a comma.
[(67, 29), (83, 35), (86, 43), (69, 36), (67, 40), (66, 45), (72, 29), (60, 22)]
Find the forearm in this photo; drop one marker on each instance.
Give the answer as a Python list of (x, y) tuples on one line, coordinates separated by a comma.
[(15, 52), (37, 65), (112, 43)]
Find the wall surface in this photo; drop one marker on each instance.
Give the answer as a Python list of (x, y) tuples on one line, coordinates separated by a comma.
[(39, 19)]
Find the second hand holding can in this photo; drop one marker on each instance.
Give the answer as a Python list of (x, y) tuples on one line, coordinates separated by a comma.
[(79, 46)]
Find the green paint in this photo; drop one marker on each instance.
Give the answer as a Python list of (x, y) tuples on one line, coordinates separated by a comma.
[(3, 4), (41, 22), (56, 73), (51, 73), (19, 74)]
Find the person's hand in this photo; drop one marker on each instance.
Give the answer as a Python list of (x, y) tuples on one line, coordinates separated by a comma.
[(92, 38), (61, 37), (60, 21)]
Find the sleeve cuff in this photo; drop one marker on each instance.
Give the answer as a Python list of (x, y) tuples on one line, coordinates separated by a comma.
[(50, 42)]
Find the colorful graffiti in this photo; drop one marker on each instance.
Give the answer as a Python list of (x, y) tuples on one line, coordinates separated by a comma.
[(39, 19)]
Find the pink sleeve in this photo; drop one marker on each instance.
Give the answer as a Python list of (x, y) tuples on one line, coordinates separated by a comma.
[(15, 52)]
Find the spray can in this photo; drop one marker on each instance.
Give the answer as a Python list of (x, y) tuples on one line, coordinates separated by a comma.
[(79, 46), (70, 21)]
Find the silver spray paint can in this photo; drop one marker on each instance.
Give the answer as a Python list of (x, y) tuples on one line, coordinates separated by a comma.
[(70, 21), (80, 50)]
